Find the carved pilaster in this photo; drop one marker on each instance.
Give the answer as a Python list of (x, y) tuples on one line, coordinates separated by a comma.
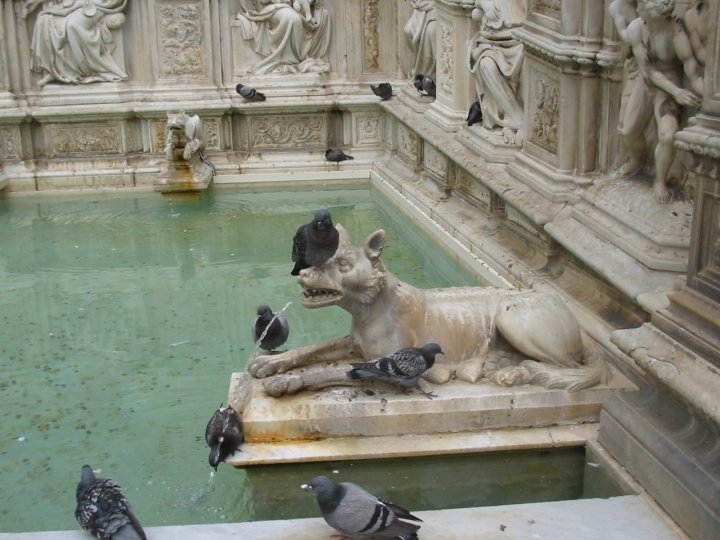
[(180, 39), (371, 36)]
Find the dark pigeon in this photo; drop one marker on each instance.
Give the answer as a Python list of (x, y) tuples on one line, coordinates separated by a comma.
[(336, 156), (315, 242), (223, 434), (249, 93), (402, 367), (354, 512), (474, 114), (425, 85), (382, 90), (276, 325), (103, 510)]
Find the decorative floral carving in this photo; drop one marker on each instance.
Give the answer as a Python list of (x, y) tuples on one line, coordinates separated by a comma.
[(95, 139), (447, 50), (181, 39), (9, 144), (371, 44), (435, 161), (408, 144), (277, 131), (211, 133), (545, 118), (548, 5), (368, 129)]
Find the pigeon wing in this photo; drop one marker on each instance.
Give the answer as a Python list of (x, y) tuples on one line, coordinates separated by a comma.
[(359, 512), (403, 364)]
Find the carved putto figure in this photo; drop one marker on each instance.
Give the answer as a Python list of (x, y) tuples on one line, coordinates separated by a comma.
[(495, 60), (72, 40), (420, 30), (289, 36), (659, 92), (511, 337), (186, 142)]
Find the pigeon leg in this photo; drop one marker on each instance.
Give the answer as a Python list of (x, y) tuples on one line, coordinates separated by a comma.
[(428, 395)]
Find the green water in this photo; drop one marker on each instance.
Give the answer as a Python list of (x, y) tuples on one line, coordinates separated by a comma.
[(123, 316)]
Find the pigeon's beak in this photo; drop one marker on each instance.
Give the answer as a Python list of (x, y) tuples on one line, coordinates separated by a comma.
[(306, 487)]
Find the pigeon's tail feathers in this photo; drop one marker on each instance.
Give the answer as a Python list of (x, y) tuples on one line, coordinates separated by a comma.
[(401, 512), (366, 370), (401, 529)]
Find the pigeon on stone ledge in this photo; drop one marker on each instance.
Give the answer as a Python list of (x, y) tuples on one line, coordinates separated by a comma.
[(315, 242), (382, 90), (425, 85), (402, 367), (277, 327), (474, 114), (249, 93), (223, 434), (354, 512), (103, 511), (336, 156)]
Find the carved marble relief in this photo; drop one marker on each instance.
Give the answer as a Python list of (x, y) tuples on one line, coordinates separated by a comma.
[(158, 135), (282, 131), (85, 139), (371, 41), (408, 142), (212, 130), (72, 40), (420, 30), (368, 128), (545, 115), (548, 5), (472, 188), (447, 53), (495, 59), (435, 161), (9, 143), (181, 40), (288, 37)]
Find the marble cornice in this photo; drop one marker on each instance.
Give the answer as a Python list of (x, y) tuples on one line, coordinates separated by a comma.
[(456, 4), (701, 140), (566, 51)]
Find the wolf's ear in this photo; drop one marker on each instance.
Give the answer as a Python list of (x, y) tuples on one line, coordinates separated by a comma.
[(374, 244), (344, 237)]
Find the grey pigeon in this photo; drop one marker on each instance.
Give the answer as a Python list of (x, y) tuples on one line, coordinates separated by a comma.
[(315, 242), (332, 154), (474, 114), (354, 512), (277, 328), (402, 367), (249, 93), (382, 90), (223, 434), (103, 510), (425, 85)]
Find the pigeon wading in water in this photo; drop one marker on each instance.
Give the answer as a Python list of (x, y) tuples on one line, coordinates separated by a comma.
[(249, 93), (223, 434), (336, 156), (103, 511), (354, 512), (382, 90), (276, 325), (403, 367), (315, 242)]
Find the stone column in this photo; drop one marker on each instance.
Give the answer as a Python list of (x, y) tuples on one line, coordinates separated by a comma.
[(561, 95), (454, 86)]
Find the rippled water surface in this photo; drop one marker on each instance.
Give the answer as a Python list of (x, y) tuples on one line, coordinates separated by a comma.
[(123, 316)]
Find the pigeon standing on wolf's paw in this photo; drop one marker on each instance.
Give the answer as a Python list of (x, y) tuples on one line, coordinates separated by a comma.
[(382, 90), (315, 242), (354, 512), (274, 326), (103, 510), (223, 434), (402, 367)]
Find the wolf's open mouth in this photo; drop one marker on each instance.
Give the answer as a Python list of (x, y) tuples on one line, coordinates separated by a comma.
[(321, 294)]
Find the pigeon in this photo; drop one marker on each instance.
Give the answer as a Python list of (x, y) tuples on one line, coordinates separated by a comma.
[(276, 325), (425, 85), (382, 90), (249, 93), (474, 114), (103, 510), (223, 434), (402, 367), (337, 156), (352, 511), (315, 242)]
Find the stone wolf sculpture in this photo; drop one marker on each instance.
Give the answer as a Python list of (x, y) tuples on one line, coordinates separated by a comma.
[(510, 336), (186, 141)]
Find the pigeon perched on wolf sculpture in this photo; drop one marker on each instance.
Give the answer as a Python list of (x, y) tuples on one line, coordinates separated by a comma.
[(354, 512), (336, 156), (274, 326), (403, 367), (383, 90), (223, 434), (103, 510), (315, 242), (249, 93)]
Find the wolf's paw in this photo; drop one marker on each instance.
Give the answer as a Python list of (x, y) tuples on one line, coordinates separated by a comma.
[(282, 385), (437, 375), (262, 366), (511, 376), (470, 370)]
